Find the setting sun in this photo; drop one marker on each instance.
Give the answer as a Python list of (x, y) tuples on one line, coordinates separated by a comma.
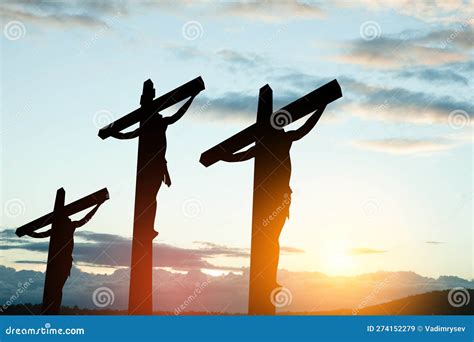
[(336, 259)]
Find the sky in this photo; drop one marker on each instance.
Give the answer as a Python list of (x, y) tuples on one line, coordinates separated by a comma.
[(383, 183)]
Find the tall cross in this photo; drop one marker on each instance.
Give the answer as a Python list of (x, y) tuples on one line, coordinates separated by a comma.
[(152, 170), (61, 242), (271, 189)]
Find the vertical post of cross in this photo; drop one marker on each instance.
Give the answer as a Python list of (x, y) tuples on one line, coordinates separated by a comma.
[(260, 288), (51, 304), (140, 301)]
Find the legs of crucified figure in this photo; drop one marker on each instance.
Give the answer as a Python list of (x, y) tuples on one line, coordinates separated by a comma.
[(156, 184), (275, 246)]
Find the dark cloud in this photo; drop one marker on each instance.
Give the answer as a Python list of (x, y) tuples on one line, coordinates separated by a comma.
[(436, 75), (404, 105), (114, 251), (460, 36), (373, 102), (109, 250), (396, 52)]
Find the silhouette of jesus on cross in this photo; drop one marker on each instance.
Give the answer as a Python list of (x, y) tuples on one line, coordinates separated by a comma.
[(152, 170), (271, 189), (61, 243)]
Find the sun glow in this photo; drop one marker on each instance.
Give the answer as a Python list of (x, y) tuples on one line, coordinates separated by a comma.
[(335, 258)]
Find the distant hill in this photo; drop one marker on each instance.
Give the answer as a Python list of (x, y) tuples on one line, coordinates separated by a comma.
[(431, 303)]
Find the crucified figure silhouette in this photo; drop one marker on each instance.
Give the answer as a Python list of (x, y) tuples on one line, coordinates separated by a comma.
[(61, 245), (152, 170), (271, 183), (272, 189)]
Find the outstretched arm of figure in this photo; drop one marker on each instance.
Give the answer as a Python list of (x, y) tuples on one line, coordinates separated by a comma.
[(85, 219), (179, 114), (126, 135), (307, 126), (239, 156), (41, 235)]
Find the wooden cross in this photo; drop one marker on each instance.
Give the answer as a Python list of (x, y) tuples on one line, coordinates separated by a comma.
[(151, 172), (271, 190), (61, 242)]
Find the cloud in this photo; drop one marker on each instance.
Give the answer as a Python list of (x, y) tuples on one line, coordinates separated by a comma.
[(460, 36), (364, 250), (404, 145), (93, 13), (403, 105), (273, 11), (232, 59), (433, 11), (363, 100), (291, 250), (239, 105), (64, 14), (311, 291), (238, 59), (382, 103), (110, 250), (396, 53), (186, 52), (434, 242), (434, 75)]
